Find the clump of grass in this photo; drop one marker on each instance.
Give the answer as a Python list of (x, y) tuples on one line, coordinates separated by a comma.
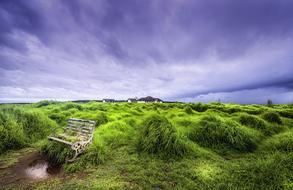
[(258, 123), (188, 109), (199, 107), (58, 117), (272, 117), (101, 118), (45, 103), (93, 156), (20, 127), (70, 105), (280, 142), (11, 134), (286, 113), (35, 124), (158, 136), (57, 152), (216, 132), (115, 134)]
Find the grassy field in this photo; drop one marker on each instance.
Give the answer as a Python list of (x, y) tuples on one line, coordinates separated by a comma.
[(161, 145)]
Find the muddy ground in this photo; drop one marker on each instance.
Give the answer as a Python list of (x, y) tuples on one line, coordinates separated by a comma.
[(25, 168)]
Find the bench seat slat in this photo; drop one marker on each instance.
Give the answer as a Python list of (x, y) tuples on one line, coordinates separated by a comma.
[(60, 140)]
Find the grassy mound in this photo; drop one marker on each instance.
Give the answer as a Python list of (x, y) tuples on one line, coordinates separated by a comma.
[(216, 132), (188, 109), (21, 127), (259, 124), (286, 113), (115, 134), (101, 118), (35, 124), (199, 107), (280, 142), (11, 134), (272, 117), (158, 136)]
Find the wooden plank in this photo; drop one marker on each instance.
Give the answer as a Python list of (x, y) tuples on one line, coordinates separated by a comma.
[(60, 140), (81, 120)]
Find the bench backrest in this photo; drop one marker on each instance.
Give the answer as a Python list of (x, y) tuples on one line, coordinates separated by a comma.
[(80, 127)]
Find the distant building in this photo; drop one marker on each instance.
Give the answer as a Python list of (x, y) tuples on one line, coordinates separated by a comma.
[(149, 99), (108, 100), (132, 100)]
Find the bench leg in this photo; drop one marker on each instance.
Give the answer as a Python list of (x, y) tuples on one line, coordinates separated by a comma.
[(78, 148)]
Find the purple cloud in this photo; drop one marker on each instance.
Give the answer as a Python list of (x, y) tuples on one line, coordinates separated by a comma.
[(176, 49)]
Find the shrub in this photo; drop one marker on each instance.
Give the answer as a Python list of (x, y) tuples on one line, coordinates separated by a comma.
[(216, 132), (158, 136), (272, 117), (269, 103)]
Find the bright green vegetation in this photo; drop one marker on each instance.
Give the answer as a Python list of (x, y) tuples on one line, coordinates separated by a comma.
[(161, 146)]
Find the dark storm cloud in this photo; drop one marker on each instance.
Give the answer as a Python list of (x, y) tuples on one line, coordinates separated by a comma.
[(174, 49)]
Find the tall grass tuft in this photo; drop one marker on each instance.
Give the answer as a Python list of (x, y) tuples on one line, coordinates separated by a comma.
[(281, 142), (199, 107), (158, 136), (101, 118), (188, 109), (11, 134), (217, 132), (35, 124), (259, 124), (272, 117), (20, 127), (95, 154), (56, 152)]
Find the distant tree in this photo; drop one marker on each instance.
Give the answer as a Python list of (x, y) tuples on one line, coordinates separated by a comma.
[(269, 102)]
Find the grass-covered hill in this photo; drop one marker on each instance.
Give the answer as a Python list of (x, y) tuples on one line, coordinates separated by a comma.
[(161, 145)]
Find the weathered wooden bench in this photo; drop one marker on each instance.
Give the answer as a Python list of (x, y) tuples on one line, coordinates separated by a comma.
[(78, 134)]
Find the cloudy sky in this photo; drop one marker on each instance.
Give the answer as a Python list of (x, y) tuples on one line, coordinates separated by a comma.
[(186, 50)]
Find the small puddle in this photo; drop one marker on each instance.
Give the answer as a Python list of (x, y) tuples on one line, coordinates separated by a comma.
[(41, 169), (30, 168)]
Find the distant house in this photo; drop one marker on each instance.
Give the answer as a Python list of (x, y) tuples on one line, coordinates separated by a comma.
[(108, 100), (149, 99), (132, 100)]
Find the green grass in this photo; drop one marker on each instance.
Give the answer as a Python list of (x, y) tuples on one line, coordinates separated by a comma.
[(158, 136), (224, 134), (159, 146), (22, 127)]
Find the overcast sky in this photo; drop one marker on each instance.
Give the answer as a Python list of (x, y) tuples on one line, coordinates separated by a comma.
[(186, 50)]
